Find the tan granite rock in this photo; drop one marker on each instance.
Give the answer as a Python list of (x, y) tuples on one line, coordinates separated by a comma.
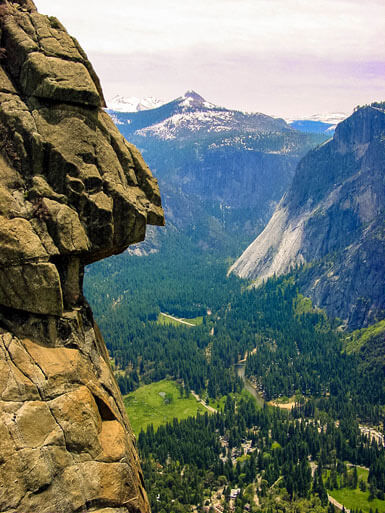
[(67, 176), (72, 191)]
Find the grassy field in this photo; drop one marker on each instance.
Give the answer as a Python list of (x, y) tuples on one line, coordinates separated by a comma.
[(357, 499), (163, 319), (196, 320), (354, 341), (157, 404), (219, 404)]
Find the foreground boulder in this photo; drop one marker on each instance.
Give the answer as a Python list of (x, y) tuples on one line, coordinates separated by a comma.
[(72, 191)]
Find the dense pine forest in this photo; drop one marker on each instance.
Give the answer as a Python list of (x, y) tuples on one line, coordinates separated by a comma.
[(277, 449), (274, 323), (275, 460)]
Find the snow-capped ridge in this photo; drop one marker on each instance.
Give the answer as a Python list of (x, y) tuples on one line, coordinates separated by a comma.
[(189, 114), (121, 103), (330, 117)]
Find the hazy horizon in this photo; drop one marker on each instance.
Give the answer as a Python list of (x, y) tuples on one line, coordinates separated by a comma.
[(288, 58)]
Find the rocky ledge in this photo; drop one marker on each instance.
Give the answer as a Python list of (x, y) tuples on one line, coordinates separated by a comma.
[(72, 191)]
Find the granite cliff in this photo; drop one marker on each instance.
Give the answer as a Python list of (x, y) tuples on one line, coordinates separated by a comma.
[(331, 220), (72, 191)]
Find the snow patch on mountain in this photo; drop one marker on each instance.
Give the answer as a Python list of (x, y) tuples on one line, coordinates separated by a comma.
[(133, 104), (116, 120), (332, 117), (212, 121)]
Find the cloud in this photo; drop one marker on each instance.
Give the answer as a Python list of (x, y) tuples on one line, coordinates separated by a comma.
[(338, 28), (276, 56), (284, 87)]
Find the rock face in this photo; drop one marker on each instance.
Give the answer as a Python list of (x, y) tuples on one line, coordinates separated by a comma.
[(72, 191), (332, 219)]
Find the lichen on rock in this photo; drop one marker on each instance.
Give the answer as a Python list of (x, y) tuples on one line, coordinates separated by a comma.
[(72, 191)]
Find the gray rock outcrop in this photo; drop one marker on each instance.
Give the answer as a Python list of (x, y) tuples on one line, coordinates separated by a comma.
[(331, 221)]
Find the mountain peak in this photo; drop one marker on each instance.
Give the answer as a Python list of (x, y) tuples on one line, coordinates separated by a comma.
[(194, 95), (192, 100)]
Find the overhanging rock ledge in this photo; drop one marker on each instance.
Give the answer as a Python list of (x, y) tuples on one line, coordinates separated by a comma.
[(72, 191)]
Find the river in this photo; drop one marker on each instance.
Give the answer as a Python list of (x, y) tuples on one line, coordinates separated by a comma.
[(240, 370)]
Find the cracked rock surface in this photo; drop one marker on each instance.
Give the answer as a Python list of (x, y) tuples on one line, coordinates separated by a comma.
[(72, 191)]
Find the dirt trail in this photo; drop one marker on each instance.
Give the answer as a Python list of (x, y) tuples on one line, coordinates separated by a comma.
[(283, 406), (337, 504), (176, 319), (210, 408)]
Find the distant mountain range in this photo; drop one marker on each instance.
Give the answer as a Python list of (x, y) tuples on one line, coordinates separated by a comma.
[(190, 114), (316, 123), (312, 126), (329, 118), (221, 171), (331, 221)]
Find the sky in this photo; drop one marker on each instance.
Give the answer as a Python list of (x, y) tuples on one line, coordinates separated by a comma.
[(289, 58)]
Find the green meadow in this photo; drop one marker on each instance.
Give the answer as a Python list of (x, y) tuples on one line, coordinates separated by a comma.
[(165, 320), (356, 499), (159, 403)]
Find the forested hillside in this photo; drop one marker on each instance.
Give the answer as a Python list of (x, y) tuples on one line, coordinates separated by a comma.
[(169, 312), (286, 460), (282, 329), (221, 171), (293, 350)]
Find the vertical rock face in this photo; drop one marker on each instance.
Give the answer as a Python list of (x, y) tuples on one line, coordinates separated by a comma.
[(332, 219), (72, 191)]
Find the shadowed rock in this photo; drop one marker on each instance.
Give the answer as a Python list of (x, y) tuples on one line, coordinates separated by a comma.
[(72, 191)]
